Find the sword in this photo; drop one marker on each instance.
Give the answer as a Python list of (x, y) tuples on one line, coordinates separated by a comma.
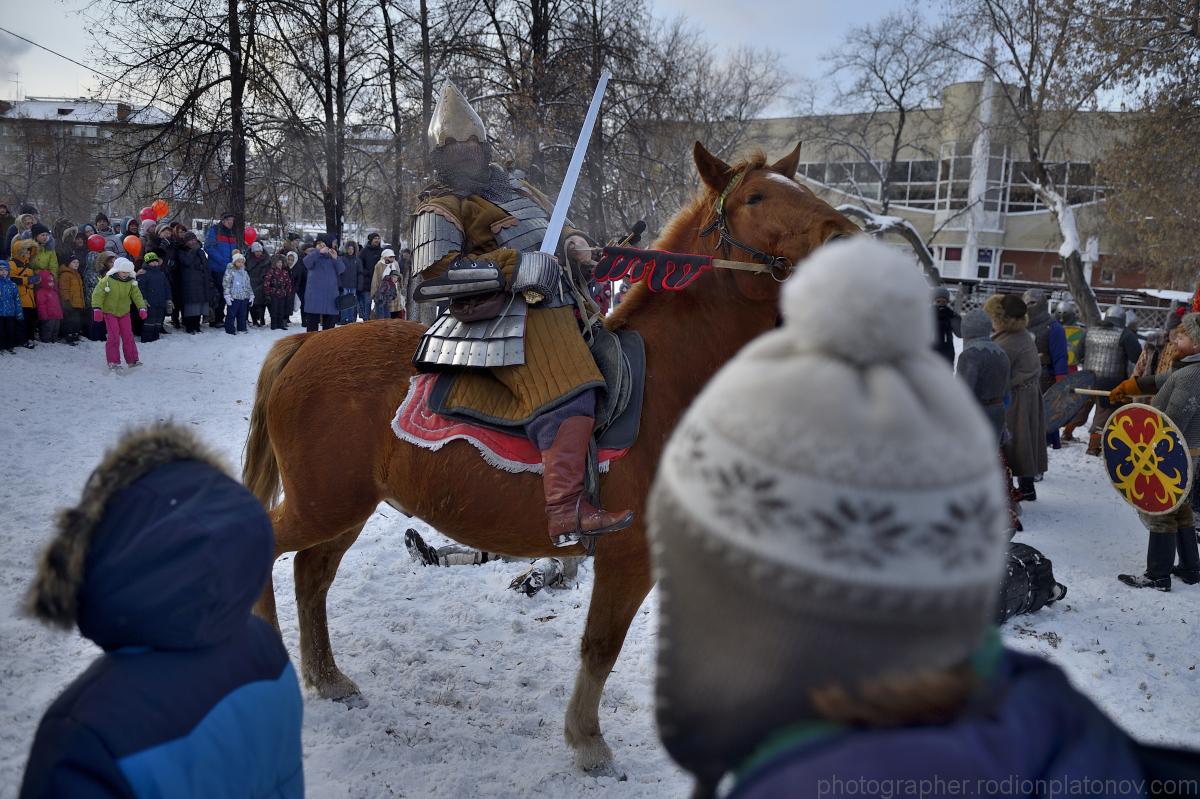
[(559, 216)]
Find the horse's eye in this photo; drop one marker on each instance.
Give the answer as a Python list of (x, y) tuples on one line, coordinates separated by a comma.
[(754, 199)]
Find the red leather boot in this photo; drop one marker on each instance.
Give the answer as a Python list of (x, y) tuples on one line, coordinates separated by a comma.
[(569, 514)]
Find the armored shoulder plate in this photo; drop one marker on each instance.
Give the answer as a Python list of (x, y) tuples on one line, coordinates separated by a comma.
[(434, 237)]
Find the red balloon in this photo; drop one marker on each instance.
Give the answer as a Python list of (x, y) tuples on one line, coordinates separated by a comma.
[(160, 208), (95, 242), (133, 246), (251, 235), (148, 213)]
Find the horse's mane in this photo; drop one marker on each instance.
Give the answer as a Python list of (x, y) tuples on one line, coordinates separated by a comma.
[(692, 217)]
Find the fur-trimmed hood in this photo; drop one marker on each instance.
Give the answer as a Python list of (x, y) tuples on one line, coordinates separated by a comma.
[(1001, 322), (164, 548)]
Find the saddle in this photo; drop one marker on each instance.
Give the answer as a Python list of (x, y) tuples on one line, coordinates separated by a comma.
[(621, 359)]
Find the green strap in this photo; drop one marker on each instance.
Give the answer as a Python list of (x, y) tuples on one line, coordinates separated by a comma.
[(719, 207)]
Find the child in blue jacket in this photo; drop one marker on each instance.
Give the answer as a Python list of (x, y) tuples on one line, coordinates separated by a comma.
[(11, 314), (159, 564)]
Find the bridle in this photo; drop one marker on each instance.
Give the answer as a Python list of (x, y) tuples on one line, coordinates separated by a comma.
[(777, 266)]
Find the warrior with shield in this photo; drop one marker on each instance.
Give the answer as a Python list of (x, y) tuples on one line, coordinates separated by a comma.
[(510, 332)]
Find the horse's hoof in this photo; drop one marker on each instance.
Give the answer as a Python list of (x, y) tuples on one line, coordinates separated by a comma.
[(592, 753), (339, 688)]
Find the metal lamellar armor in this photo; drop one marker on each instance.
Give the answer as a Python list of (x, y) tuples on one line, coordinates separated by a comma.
[(434, 237), (495, 342)]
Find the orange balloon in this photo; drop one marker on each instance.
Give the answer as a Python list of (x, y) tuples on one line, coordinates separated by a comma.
[(133, 246), (161, 208)]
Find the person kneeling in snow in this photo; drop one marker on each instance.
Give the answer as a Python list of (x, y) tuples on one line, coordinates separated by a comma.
[(828, 533), (159, 564), (1177, 394)]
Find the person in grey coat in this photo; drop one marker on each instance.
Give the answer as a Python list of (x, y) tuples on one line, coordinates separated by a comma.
[(1026, 416), (1177, 394), (322, 267), (984, 367)]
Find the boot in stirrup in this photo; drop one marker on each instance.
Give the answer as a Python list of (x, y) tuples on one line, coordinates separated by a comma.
[(569, 514)]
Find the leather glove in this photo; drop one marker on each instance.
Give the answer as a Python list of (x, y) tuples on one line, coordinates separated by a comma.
[(97, 315), (142, 313), (1127, 388)]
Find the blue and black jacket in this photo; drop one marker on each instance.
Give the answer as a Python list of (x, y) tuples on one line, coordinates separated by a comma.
[(159, 565)]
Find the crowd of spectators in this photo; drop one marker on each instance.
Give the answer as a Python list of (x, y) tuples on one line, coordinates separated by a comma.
[(51, 279)]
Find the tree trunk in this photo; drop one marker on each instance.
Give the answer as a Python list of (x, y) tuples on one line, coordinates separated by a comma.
[(426, 86), (237, 145), (396, 220), (1085, 298)]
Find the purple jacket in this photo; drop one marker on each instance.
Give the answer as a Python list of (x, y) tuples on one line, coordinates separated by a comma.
[(1037, 736), (321, 288)]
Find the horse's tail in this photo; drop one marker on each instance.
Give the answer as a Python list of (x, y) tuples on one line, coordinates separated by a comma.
[(260, 471)]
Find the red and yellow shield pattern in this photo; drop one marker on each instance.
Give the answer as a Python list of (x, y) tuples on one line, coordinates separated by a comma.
[(1147, 459)]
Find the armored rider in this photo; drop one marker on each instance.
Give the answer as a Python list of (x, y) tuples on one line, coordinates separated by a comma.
[(511, 334)]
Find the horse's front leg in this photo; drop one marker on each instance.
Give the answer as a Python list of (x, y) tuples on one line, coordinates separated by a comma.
[(621, 583)]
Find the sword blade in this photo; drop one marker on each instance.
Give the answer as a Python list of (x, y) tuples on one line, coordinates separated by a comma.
[(559, 216)]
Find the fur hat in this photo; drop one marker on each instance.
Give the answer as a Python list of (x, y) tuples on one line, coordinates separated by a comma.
[(1007, 311), (24, 249), (53, 597), (1191, 325), (828, 513)]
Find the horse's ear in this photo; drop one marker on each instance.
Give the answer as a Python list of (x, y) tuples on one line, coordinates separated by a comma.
[(786, 166), (715, 173)]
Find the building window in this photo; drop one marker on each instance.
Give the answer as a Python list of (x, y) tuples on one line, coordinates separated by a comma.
[(1056, 273), (983, 272), (1108, 276), (952, 254), (985, 255), (1008, 270)]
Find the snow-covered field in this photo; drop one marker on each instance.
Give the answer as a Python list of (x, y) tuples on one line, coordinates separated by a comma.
[(467, 682)]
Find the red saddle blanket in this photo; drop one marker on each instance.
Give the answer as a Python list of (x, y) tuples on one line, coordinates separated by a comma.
[(418, 425)]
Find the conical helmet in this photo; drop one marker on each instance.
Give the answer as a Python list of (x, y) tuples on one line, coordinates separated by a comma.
[(454, 120)]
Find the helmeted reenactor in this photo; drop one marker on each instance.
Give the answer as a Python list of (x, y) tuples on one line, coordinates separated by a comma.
[(511, 331), (1108, 350)]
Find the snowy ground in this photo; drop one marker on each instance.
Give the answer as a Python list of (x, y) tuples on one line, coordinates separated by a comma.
[(467, 681)]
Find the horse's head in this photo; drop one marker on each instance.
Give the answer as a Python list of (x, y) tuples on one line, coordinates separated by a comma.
[(757, 211)]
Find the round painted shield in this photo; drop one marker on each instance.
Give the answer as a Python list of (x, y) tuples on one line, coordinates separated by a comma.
[(1147, 459)]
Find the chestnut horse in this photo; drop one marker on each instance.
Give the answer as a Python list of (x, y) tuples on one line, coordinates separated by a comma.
[(334, 476)]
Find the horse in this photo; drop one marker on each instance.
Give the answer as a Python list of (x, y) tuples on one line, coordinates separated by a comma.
[(334, 477)]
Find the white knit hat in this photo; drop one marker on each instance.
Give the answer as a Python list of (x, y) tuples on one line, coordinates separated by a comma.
[(829, 510), (120, 265), (387, 253), (237, 256)]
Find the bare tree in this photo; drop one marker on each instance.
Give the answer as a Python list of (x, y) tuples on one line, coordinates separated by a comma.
[(1049, 76), (200, 55), (887, 75)]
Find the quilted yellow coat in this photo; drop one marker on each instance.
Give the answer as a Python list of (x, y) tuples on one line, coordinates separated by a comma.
[(557, 364)]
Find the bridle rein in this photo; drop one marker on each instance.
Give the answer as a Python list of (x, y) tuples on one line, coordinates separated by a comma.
[(777, 266)]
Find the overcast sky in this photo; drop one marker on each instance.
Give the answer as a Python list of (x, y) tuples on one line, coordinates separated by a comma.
[(800, 29)]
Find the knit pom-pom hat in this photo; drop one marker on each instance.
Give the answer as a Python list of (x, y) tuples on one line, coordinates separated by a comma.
[(828, 513)]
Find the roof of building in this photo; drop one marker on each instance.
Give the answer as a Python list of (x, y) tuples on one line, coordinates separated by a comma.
[(82, 111)]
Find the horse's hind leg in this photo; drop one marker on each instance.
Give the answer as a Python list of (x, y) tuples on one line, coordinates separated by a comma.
[(315, 569), (621, 584)]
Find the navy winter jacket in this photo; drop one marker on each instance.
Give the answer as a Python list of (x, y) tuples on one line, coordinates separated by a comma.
[(193, 697), (1039, 737), (156, 289)]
